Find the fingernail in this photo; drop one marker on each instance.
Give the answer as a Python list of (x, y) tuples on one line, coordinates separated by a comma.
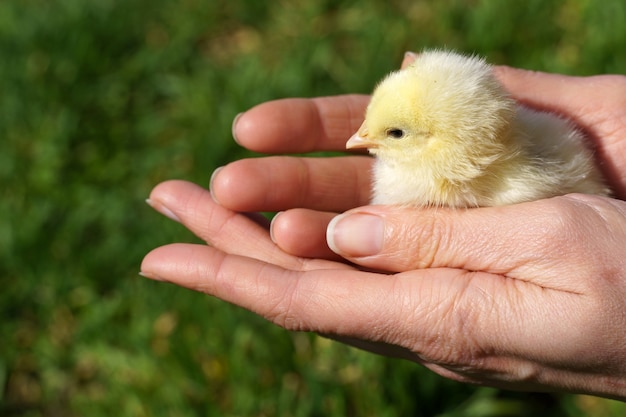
[(150, 276), (158, 206), (213, 175), (355, 235), (272, 226), (234, 126)]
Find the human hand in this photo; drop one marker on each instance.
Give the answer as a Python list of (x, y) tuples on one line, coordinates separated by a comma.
[(516, 304), (530, 305)]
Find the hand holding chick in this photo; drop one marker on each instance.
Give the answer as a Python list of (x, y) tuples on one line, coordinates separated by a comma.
[(446, 133)]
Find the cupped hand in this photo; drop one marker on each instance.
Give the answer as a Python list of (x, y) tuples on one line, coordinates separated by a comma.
[(529, 296)]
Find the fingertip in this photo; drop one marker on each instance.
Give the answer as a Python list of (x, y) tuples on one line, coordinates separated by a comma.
[(163, 209), (242, 125), (180, 201), (211, 184), (234, 127), (302, 232), (330, 235), (150, 265), (151, 276), (170, 189), (408, 59), (164, 197), (263, 127), (236, 186), (273, 226)]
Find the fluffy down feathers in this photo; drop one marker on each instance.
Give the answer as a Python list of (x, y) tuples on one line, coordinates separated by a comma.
[(445, 133)]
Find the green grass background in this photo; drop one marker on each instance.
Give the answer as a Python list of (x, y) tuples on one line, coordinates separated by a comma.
[(100, 100)]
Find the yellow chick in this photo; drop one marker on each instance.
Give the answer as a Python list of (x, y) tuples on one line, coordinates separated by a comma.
[(446, 133)]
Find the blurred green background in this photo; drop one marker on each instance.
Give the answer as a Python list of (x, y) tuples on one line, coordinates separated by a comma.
[(100, 100)]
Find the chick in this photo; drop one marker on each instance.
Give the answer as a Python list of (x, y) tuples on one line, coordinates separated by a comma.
[(446, 133)]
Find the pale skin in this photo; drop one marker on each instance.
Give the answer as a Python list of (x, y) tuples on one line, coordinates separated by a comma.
[(524, 297)]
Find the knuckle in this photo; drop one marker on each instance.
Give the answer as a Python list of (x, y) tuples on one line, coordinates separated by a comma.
[(417, 245), (558, 225), (291, 308), (281, 310), (455, 342)]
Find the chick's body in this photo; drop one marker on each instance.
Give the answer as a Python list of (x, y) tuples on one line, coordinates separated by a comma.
[(445, 133)]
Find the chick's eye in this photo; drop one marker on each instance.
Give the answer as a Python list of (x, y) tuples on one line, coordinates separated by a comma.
[(395, 133)]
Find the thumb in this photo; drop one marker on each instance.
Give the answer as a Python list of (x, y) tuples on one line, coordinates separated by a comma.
[(404, 238), (519, 241)]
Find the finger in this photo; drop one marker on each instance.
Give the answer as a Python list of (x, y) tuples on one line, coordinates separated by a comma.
[(300, 124), (341, 302), (302, 233), (562, 94), (408, 59), (468, 326), (595, 104), (530, 241), (279, 183), (289, 298), (553, 92), (224, 229)]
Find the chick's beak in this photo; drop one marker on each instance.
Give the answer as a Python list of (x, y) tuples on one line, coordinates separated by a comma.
[(360, 139)]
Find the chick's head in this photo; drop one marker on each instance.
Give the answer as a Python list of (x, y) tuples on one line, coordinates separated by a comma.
[(445, 112)]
